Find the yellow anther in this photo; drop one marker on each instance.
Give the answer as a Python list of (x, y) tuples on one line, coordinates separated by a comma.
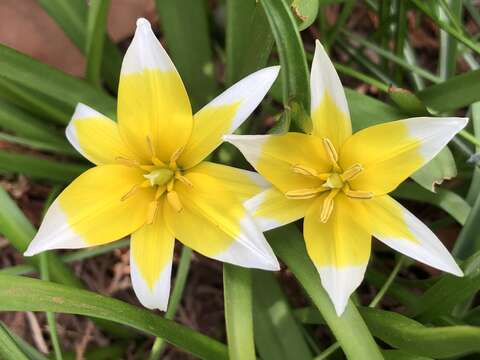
[(174, 201), (351, 172), (304, 170), (357, 194), (159, 176), (130, 192), (334, 181), (304, 193), (330, 149), (152, 212), (183, 179), (327, 206)]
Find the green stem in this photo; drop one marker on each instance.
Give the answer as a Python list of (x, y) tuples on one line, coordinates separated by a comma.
[(469, 137)]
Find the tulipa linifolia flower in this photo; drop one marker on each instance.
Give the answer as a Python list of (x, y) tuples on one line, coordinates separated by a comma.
[(339, 183), (151, 181)]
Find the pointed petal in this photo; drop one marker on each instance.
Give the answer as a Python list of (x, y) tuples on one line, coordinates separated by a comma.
[(151, 252), (339, 248), (389, 153), (225, 114), (243, 183), (271, 209), (152, 100), (274, 157), (90, 210), (329, 108), (227, 232), (96, 137), (401, 230)]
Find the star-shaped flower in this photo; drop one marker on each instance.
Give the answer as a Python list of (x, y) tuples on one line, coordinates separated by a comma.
[(151, 178), (339, 182)]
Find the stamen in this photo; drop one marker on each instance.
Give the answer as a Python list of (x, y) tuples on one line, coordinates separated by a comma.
[(126, 161), (156, 161), (175, 156), (152, 212), (330, 149), (183, 179), (304, 193), (304, 170), (358, 194), (327, 207), (353, 171), (160, 191), (130, 192), (174, 201)]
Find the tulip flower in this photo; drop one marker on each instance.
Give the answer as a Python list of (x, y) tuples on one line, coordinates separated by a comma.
[(151, 180), (339, 182)]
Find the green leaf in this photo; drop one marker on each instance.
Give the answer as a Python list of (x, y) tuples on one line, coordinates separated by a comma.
[(294, 72), (349, 329), (185, 26), (26, 348), (452, 203), (16, 293), (402, 355), (8, 348), (31, 74), (468, 240), (246, 50), (455, 93), (448, 44), (39, 168), (64, 149), (406, 334), (441, 167), (278, 335), (95, 39), (237, 289), (450, 290), (71, 16), (474, 189), (305, 12), (407, 101)]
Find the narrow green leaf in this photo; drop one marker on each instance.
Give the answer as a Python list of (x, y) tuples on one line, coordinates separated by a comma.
[(450, 290), (278, 335), (95, 39), (26, 348), (39, 168), (474, 189), (452, 203), (402, 355), (340, 22), (294, 72), (71, 16), (448, 44), (406, 334), (455, 93), (441, 167), (468, 240), (246, 50), (8, 348), (184, 24), (237, 290), (16, 293), (23, 70), (305, 12), (407, 101), (64, 149), (349, 329)]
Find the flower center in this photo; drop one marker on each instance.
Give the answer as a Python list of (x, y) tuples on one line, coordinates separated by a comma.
[(333, 182), (161, 177)]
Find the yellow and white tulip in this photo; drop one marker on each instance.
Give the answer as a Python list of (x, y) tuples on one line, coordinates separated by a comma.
[(151, 181), (339, 182)]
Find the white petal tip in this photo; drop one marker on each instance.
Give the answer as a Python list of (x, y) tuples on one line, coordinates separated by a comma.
[(455, 270), (33, 250), (340, 308), (143, 23)]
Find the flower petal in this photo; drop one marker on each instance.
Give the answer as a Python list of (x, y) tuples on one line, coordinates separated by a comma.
[(274, 157), (95, 136), (214, 223), (389, 153), (242, 183), (153, 105), (271, 209), (225, 114), (401, 230), (339, 248), (90, 211), (329, 108), (151, 252)]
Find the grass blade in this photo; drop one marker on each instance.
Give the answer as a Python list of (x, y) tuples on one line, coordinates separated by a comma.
[(16, 293), (8, 348), (95, 39), (237, 289)]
